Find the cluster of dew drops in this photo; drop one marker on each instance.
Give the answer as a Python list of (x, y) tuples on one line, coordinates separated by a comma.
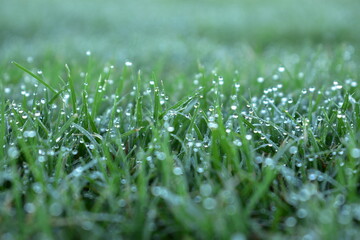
[(262, 111)]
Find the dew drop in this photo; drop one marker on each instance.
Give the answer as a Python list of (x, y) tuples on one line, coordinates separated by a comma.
[(260, 79), (209, 203), (29, 134), (293, 150), (237, 143), (13, 152), (41, 159), (29, 207), (160, 155), (55, 209), (78, 171), (213, 125), (355, 153), (281, 69), (290, 222), (177, 171)]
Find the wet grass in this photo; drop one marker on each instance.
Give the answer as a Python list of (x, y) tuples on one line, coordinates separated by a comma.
[(92, 151), (241, 127)]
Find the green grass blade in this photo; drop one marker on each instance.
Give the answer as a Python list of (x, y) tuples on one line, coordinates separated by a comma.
[(35, 76)]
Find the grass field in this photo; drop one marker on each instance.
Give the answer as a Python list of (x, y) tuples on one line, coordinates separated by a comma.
[(179, 119)]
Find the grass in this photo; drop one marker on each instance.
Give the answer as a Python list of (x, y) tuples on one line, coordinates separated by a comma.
[(255, 141)]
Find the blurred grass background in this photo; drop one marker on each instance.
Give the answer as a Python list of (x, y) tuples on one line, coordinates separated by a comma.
[(178, 33)]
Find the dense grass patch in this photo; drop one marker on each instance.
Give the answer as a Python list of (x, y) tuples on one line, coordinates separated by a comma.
[(179, 119), (95, 152)]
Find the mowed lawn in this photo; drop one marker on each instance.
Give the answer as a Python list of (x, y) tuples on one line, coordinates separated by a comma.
[(179, 119)]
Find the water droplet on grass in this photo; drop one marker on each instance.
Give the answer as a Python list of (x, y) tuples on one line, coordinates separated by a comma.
[(269, 162), (205, 189), (13, 152), (301, 213), (293, 150), (78, 171), (29, 59), (29, 134), (213, 125), (160, 155), (29, 207), (41, 159), (177, 171), (260, 79), (312, 176), (290, 222), (221, 80), (55, 209), (238, 236), (248, 137), (237, 143), (209, 203), (51, 153), (355, 153), (37, 188)]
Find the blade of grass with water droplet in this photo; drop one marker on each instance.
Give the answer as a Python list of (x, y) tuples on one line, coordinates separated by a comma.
[(35, 76), (139, 102), (139, 112), (97, 98), (192, 124), (157, 105), (65, 126), (268, 176), (72, 88), (180, 103), (128, 133), (87, 134), (27, 149), (53, 99)]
